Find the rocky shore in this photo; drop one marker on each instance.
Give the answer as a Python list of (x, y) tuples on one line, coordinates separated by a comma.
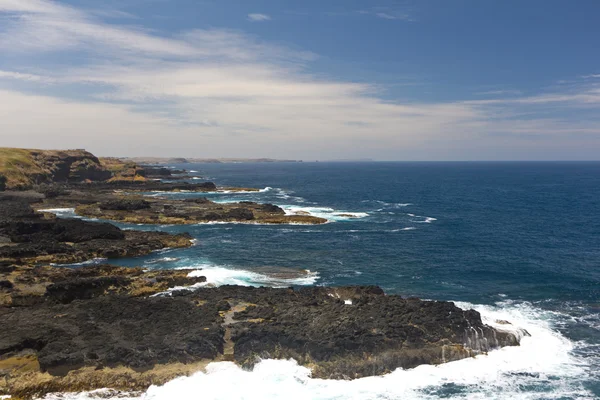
[(75, 328), (124, 203), (29, 238), (105, 326)]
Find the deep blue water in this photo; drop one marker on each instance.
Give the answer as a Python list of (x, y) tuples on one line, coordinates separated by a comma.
[(519, 236)]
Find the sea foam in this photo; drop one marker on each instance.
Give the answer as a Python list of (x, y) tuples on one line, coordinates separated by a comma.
[(218, 276), (327, 213)]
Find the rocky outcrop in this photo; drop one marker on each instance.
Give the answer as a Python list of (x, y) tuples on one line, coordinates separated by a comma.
[(118, 202), (70, 165), (95, 318), (23, 168), (168, 211), (29, 237), (347, 333), (124, 205), (24, 285), (109, 331)]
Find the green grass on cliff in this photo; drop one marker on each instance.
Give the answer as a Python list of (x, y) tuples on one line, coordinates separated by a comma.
[(18, 167)]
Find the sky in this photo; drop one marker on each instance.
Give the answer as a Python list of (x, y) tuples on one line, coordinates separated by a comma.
[(399, 80)]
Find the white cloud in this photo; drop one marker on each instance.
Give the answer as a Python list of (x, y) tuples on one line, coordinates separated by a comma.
[(25, 77), (220, 92), (258, 17), (387, 13), (502, 92)]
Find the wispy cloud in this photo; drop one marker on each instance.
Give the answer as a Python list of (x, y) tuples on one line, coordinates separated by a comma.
[(389, 13), (258, 17), (218, 92), (501, 92), (25, 77)]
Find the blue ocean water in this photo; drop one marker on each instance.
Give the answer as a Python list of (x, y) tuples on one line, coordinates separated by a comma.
[(516, 241)]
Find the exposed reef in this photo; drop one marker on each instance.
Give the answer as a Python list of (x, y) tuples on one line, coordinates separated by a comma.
[(79, 328), (27, 237), (122, 202), (194, 211)]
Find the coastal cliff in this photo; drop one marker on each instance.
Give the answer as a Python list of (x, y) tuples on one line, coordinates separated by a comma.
[(22, 168), (26, 168)]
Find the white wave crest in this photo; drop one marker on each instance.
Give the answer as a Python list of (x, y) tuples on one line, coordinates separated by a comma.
[(219, 276), (387, 204), (426, 220), (225, 191), (60, 212), (93, 261), (327, 213), (162, 260)]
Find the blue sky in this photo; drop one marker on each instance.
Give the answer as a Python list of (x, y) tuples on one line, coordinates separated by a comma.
[(387, 80)]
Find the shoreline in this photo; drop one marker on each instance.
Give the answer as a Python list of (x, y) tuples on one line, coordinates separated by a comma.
[(338, 332)]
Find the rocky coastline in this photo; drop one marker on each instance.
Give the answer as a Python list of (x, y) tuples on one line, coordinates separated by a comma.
[(77, 328)]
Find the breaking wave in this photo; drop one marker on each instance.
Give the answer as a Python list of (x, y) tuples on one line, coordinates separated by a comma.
[(323, 212)]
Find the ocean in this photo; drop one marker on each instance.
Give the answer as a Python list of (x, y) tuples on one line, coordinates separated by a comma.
[(515, 241)]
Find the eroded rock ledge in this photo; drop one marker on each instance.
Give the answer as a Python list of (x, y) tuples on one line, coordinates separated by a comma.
[(94, 327), (27, 237), (123, 203)]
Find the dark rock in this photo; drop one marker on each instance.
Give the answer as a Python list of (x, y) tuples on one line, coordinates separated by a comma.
[(59, 230), (52, 191), (6, 284), (198, 200), (241, 214), (374, 335), (125, 205), (72, 240), (271, 208), (118, 330), (150, 172), (71, 165), (223, 305), (11, 209), (149, 186), (84, 288)]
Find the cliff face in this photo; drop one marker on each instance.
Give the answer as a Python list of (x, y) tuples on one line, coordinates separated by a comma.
[(22, 168), (71, 165)]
